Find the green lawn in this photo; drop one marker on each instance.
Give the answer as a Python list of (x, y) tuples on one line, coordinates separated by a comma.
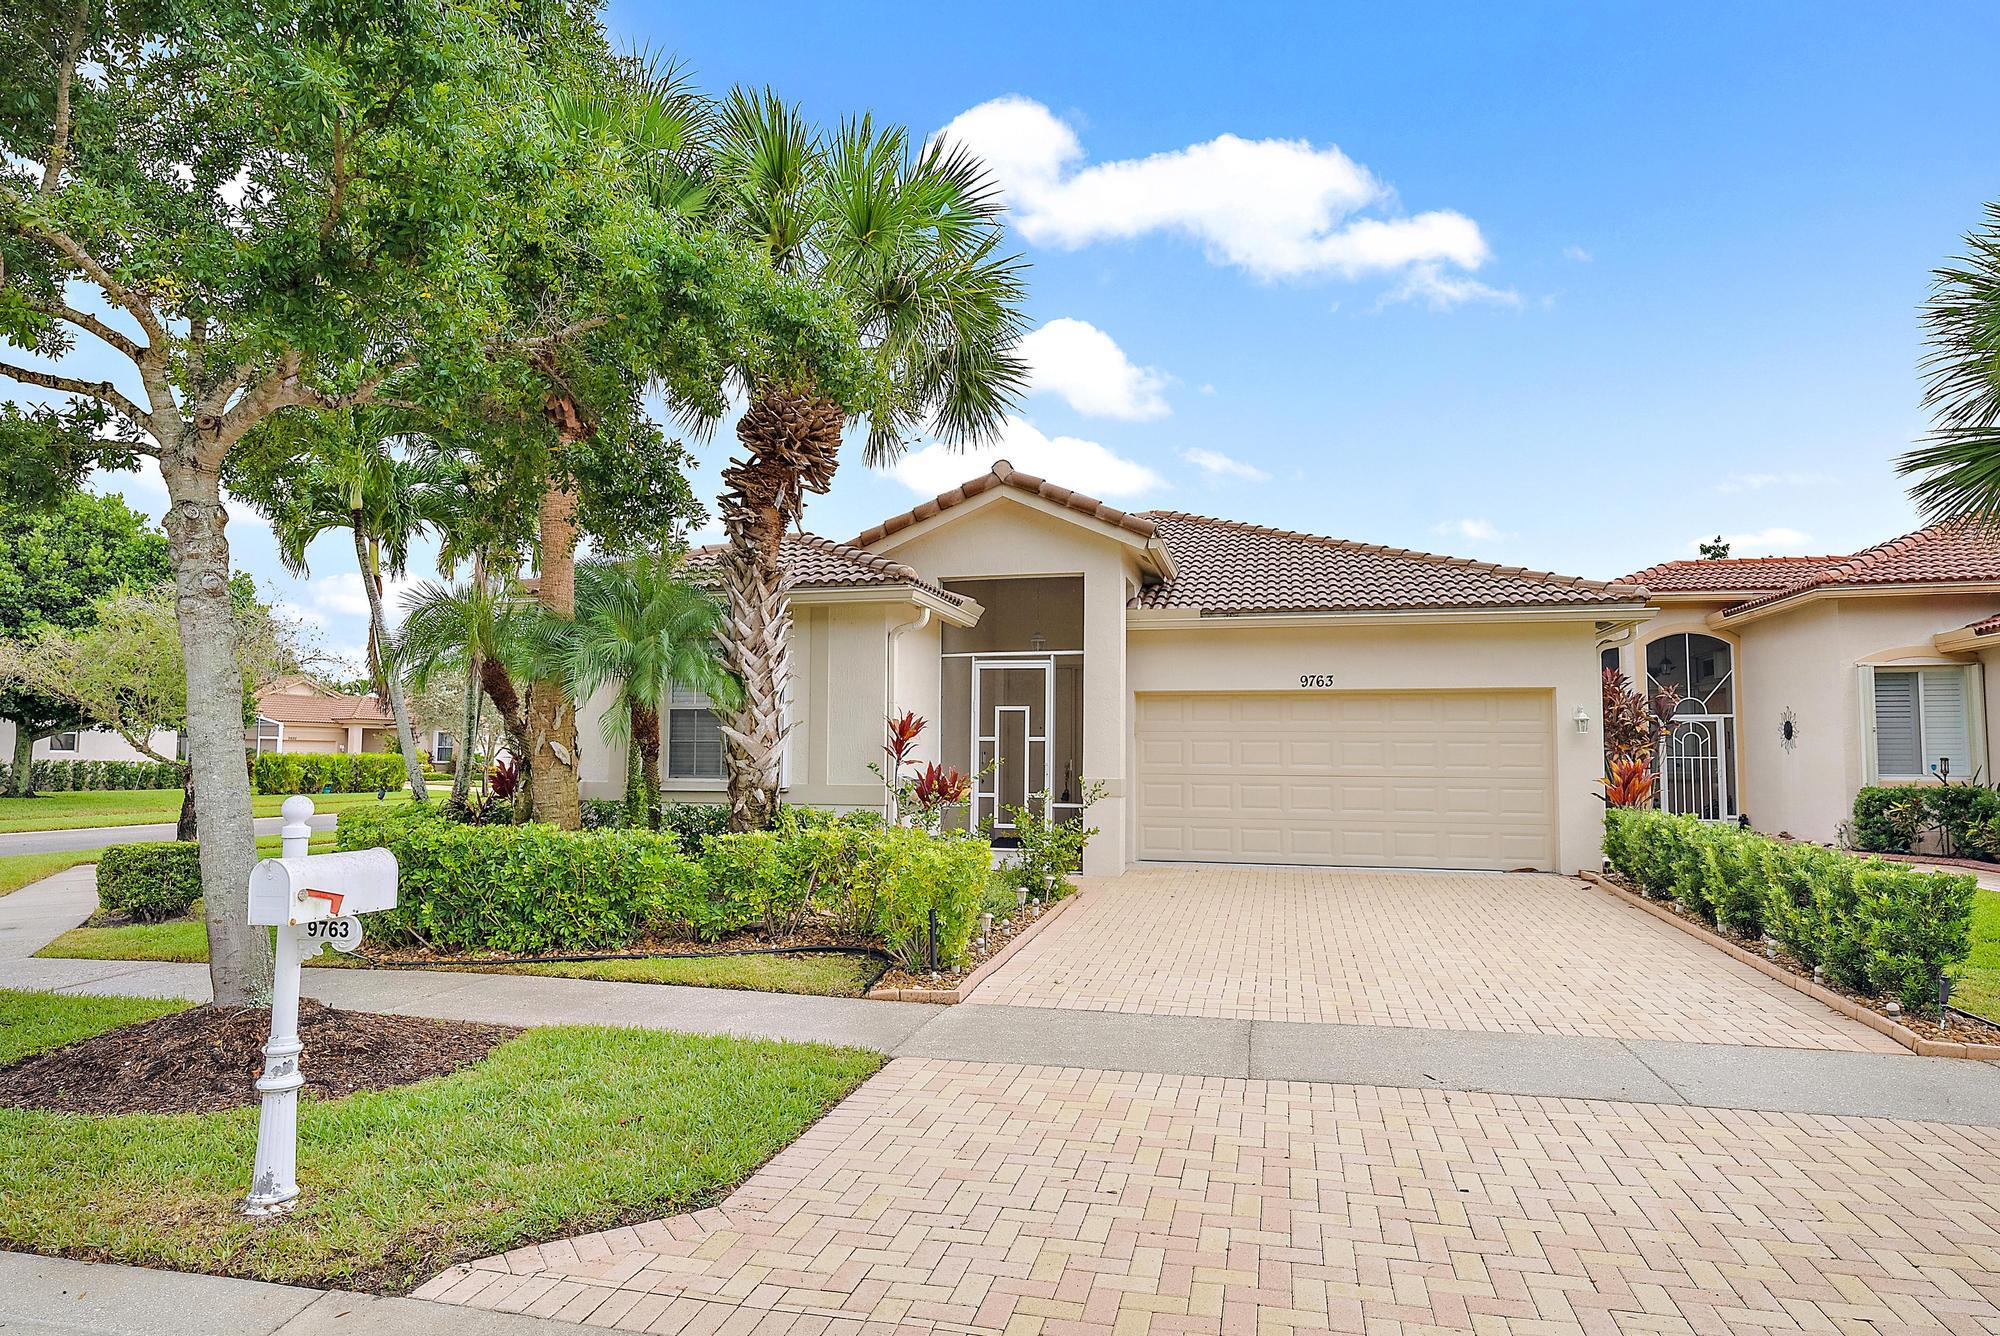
[(18, 870), (1978, 987), (561, 1131), (32, 1022), (138, 807)]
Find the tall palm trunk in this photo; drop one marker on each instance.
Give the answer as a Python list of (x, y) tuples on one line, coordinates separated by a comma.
[(239, 956), (385, 671), (793, 440), (551, 739), (461, 774), (646, 749)]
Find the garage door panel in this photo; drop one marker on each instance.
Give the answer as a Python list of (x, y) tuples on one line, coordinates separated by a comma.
[(1422, 779)]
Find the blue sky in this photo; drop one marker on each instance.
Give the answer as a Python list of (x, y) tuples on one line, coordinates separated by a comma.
[(1561, 287)]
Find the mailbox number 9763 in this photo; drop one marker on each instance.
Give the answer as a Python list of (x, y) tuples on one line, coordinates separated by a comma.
[(342, 934), (1315, 679)]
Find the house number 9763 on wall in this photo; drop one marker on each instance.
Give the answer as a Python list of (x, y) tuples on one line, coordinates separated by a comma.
[(1315, 679)]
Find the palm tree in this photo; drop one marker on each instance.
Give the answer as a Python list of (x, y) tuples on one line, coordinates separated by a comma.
[(641, 627), (908, 242), (478, 628), (353, 479), (1960, 458)]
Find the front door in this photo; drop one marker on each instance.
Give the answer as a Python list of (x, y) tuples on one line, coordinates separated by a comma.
[(1013, 700)]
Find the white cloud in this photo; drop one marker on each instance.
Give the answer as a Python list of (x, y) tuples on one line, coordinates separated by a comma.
[(1429, 284), (1481, 531), (1275, 208), (1084, 465), (1771, 542), (1757, 482), (1218, 465), (341, 595), (1578, 254), (1083, 364)]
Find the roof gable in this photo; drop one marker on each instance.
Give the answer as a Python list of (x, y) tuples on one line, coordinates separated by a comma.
[(1005, 475), (1229, 568), (1728, 575), (821, 563)]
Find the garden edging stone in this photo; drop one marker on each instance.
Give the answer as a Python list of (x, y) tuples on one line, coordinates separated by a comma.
[(1846, 1006), (952, 996)]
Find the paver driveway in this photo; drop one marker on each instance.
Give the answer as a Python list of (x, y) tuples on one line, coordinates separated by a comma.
[(1437, 950), (977, 1197)]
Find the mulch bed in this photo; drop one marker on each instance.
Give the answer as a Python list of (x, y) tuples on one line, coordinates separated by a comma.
[(976, 954), (1963, 1029), (205, 1059)]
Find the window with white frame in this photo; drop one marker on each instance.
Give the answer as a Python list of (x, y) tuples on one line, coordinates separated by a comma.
[(444, 748), (1924, 722), (64, 742), (270, 735), (694, 737)]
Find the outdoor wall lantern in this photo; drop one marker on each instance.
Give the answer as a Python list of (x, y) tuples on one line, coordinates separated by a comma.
[(1582, 718)]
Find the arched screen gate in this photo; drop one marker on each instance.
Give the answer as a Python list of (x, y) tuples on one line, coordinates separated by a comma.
[(1697, 757)]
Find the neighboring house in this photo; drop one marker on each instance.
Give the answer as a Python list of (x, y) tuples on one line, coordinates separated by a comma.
[(1244, 694), (1803, 679), (88, 744), (297, 714)]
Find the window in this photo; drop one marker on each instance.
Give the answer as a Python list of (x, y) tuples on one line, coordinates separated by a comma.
[(444, 748), (270, 735), (694, 738), (1923, 723), (63, 742)]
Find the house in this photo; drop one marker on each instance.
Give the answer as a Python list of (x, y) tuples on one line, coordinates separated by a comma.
[(1802, 679), (297, 714), (1243, 694), (88, 744)]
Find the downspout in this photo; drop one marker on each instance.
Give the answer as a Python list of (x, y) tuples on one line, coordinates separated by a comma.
[(896, 633)]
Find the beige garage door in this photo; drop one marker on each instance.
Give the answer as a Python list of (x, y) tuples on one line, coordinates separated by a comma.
[(1405, 779)]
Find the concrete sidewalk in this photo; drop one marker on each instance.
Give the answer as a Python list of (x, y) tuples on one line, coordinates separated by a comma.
[(1652, 1071), (92, 837), (54, 1295)]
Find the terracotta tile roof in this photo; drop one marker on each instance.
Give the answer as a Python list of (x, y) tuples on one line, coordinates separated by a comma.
[(288, 708), (1730, 574), (1004, 474), (821, 563), (1990, 626), (1956, 551), (1225, 567)]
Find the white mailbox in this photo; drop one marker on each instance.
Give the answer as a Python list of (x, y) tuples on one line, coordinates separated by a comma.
[(321, 886)]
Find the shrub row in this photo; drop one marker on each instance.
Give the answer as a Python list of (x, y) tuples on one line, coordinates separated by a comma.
[(533, 889), (1894, 818), (319, 772), (149, 882), (1878, 928), (87, 776), (692, 822)]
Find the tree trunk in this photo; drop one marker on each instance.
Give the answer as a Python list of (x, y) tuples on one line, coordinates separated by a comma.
[(188, 827), (635, 781), (384, 670), (461, 774), (646, 737), (239, 956), (551, 738), (21, 783)]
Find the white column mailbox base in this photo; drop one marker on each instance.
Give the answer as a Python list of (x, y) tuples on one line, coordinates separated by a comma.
[(274, 1180)]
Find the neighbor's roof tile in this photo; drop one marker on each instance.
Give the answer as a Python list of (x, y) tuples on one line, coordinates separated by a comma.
[(1004, 474), (1729, 575), (287, 708), (1224, 567)]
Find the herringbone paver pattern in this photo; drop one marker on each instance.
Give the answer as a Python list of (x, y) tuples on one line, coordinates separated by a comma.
[(976, 1197), (1434, 950)]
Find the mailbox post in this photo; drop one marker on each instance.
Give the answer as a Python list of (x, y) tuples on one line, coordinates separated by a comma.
[(289, 893)]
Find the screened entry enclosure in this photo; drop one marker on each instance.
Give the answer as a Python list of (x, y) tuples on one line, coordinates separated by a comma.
[(1012, 700), (1697, 757)]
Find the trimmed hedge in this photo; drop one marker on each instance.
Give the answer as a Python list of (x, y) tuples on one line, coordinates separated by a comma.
[(149, 882), (1877, 928), (1892, 818), (320, 772), (533, 889), (91, 776)]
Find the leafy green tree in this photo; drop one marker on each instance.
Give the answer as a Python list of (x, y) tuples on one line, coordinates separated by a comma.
[(342, 471), (1959, 461), (309, 206), (1714, 549), (641, 626), (907, 242), (56, 561)]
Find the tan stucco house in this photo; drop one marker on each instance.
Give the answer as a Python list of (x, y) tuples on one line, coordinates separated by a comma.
[(297, 714), (1804, 678), (1244, 694)]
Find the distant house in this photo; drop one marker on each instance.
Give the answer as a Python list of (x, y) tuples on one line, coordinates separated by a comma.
[(297, 714), (88, 744)]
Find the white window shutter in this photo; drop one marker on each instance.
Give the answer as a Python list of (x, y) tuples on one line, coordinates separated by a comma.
[(1898, 750), (1946, 734)]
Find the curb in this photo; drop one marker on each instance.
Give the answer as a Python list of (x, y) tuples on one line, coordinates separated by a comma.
[(950, 996), (1840, 1002)]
